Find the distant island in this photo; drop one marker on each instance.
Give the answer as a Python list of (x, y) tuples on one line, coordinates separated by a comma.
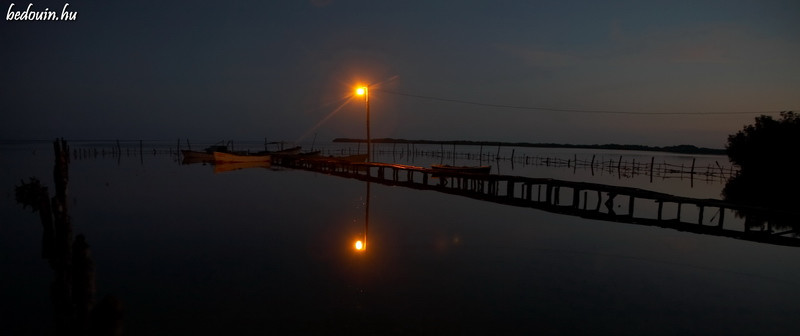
[(682, 149)]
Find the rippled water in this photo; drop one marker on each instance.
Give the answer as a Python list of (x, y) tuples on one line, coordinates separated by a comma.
[(264, 251)]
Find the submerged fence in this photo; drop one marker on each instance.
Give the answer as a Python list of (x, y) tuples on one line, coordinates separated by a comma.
[(623, 166)]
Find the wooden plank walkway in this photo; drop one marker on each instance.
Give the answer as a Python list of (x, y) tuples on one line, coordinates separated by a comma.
[(582, 199)]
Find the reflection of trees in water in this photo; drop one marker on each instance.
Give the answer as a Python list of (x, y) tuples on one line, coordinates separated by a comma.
[(73, 289), (768, 179)]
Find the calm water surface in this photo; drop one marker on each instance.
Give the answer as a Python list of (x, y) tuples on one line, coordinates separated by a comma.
[(270, 251)]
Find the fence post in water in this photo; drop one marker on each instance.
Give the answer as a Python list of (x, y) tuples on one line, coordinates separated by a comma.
[(592, 164), (652, 160), (575, 163), (619, 165), (720, 169)]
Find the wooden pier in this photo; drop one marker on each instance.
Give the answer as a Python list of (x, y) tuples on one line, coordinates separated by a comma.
[(586, 200)]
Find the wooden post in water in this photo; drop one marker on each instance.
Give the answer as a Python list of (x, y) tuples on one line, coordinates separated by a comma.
[(585, 199), (691, 175), (592, 164), (548, 193), (558, 195), (599, 200), (630, 206), (619, 165), (700, 216), (576, 198), (652, 160), (575, 163), (720, 169)]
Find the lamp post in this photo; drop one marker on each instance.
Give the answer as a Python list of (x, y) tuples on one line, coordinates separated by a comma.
[(364, 91)]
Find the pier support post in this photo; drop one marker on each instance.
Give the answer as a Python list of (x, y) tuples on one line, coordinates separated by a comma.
[(630, 206), (576, 198)]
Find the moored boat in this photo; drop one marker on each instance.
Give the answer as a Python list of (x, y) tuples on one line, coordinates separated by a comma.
[(207, 155), (288, 151), (462, 169), (190, 156), (230, 157), (229, 166)]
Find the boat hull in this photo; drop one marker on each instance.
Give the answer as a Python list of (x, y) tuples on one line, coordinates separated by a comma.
[(230, 166), (190, 156), (229, 157)]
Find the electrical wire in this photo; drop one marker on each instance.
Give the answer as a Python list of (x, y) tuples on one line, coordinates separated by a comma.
[(555, 109)]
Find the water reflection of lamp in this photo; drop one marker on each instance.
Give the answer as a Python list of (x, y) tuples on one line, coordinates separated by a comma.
[(361, 245)]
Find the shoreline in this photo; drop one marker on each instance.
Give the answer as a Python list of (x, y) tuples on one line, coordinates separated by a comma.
[(680, 149)]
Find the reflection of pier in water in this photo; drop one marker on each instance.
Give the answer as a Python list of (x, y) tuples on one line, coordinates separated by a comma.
[(586, 200)]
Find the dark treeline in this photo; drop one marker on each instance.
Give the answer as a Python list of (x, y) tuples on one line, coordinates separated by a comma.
[(766, 152), (682, 149)]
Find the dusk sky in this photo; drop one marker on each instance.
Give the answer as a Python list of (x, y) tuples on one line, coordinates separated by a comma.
[(285, 70)]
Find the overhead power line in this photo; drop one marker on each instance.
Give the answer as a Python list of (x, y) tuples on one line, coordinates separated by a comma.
[(557, 109)]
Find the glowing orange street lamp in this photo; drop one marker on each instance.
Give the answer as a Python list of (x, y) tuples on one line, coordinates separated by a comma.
[(364, 91)]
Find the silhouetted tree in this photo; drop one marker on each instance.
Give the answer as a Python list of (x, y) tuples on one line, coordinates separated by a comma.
[(769, 145), (766, 153)]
